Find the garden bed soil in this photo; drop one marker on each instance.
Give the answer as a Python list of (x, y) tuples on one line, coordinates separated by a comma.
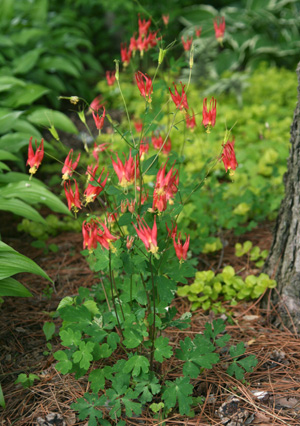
[(269, 396)]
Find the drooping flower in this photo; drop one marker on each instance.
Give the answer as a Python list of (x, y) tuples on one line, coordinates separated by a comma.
[(219, 25), (138, 126), (89, 233), (228, 156), (143, 26), (105, 238), (209, 117), (111, 217), (126, 172), (187, 44), (148, 235), (181, 249), (99, 148), (129, 242), (133, 44), (179, 100), (144, 148), (167, 147), (165, 18), (131, 205), (125, 54), (110, 77), (92, 191), (198, 31), (166, 187), (96, 104), (99, 121), (69, 167), (73, 199), (34, 159), (157, 141), (173, 231), (144, 84), (190, 121)]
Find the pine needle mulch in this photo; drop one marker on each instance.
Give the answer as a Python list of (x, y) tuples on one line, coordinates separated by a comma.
[(270, 394)]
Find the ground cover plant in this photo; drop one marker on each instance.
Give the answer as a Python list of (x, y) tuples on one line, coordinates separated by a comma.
[(133, 241)]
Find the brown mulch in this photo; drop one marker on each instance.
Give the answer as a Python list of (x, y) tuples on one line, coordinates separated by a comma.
[(269, 396)]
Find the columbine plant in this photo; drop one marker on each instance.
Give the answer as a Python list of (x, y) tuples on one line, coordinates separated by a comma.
[(115, 332)]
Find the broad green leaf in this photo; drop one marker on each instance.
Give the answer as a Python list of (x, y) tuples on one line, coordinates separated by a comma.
[(5, 155), (49, 329), (12, 287), (17, 177), (12, 262), (25, 95), (64, 365), (34, 194), (8, 119), (58, 63), (13, 142), (7, 82), (47, 117), (4, 166), (20, 208), (132, 338), (26, 62)]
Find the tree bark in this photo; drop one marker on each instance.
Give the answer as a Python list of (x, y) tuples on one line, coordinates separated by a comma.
[(283, 262)]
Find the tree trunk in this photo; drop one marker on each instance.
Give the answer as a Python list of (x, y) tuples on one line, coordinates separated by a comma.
[(283, 262)]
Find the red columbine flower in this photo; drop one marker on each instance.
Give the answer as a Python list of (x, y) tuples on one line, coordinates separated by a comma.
[(89, 233), (69, 167), (133, 44), (173, 231), (99, 121), (126, 172), (181, 250), (198, 31), (144, 26), (219, 25), (34, 159), (187, 44), (165, 188), (144, 148), (72, 198), (125, 54), (131, 205), (179, 100), (190, 121), (209, 117), (157, 141), (110, 77), (91, 191), (165, 18), (105, 238), (228, 157), (96, 103), (129, 242), (144, 84), (167, 147), (99, 148), (138, 126), (148, 235)]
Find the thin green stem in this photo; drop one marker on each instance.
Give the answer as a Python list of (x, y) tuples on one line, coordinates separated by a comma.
[(112, 294), (154, 310)]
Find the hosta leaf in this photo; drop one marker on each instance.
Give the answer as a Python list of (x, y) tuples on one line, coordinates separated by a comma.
[(26, 62), (47, 117), (20, 208), (58, 63), (12, 287), (25, 95), (12, 262), (33, 193), (8, 119)]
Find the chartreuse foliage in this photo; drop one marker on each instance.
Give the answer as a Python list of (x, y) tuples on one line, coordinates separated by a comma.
[(209, 289), (255, 254)]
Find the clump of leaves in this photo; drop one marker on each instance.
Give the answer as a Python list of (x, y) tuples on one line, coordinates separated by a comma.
[(255, 254), (208, 288)]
